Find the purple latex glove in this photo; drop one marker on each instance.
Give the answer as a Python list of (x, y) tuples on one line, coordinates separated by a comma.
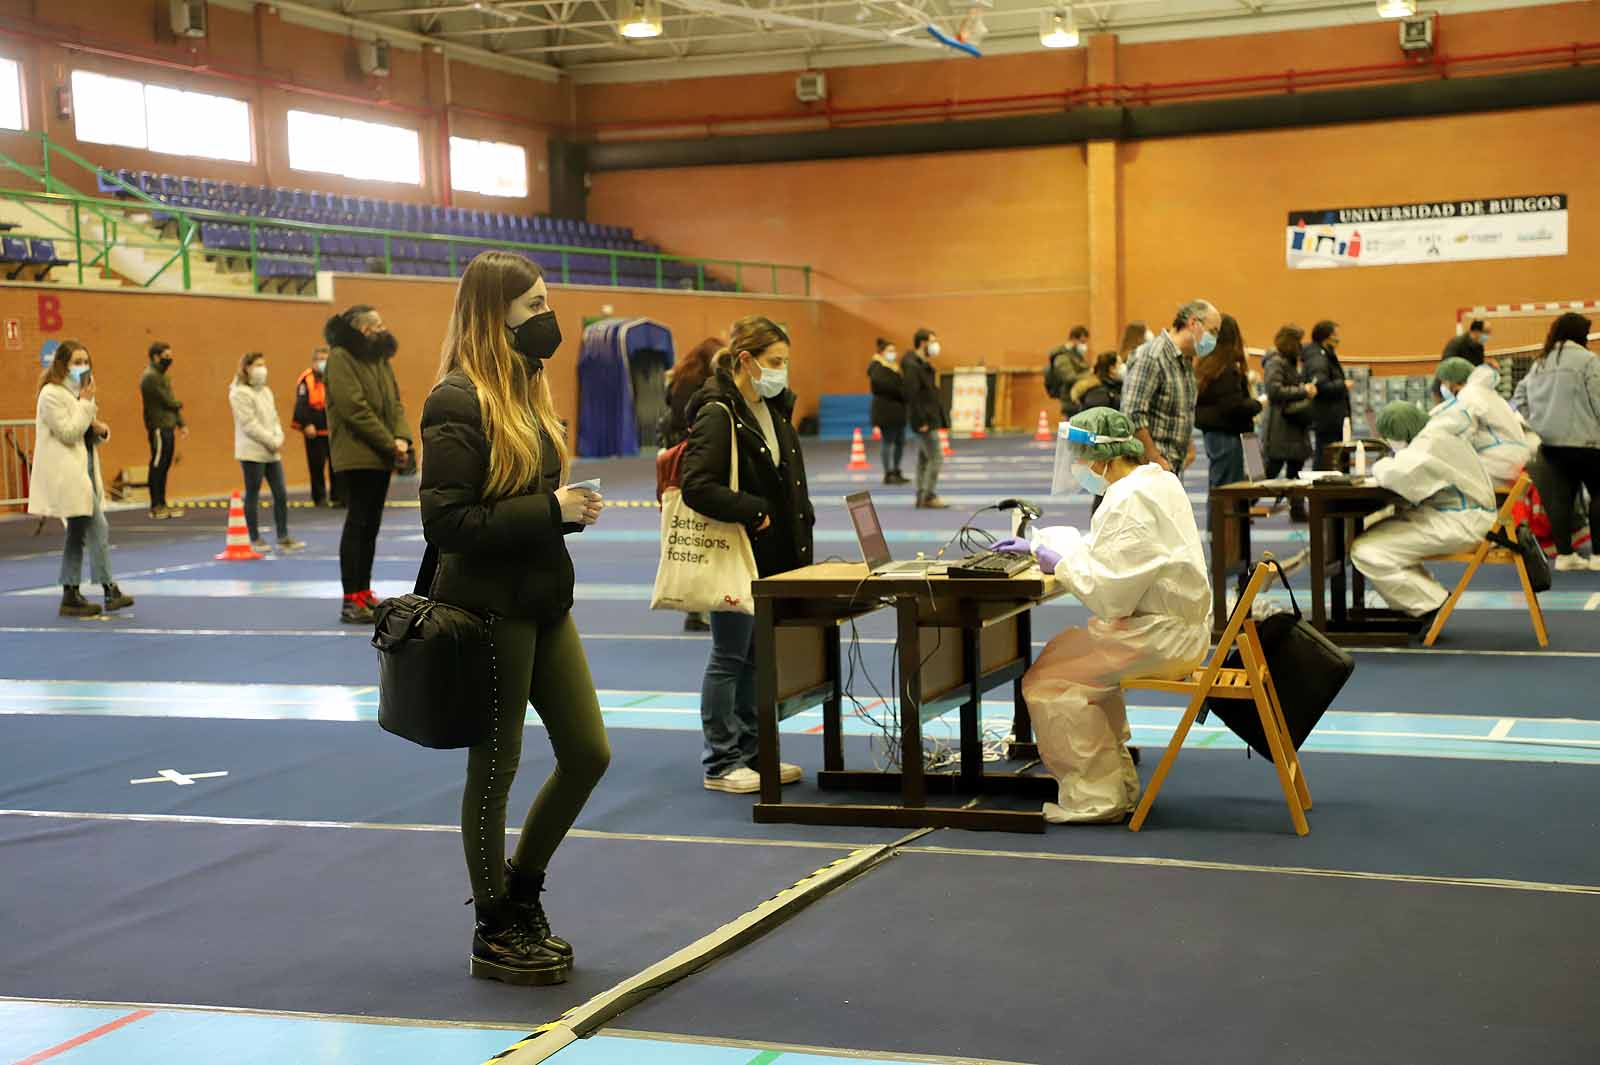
[(1048, 558), (1013, 545)]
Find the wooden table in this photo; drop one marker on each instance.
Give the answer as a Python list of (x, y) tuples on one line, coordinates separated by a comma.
[(1338, 591), (955, 640)]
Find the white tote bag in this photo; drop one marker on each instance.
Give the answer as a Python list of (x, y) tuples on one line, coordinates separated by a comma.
[(705, 565)]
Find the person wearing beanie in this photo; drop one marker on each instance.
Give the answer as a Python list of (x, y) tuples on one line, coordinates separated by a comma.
[(1472, 408)]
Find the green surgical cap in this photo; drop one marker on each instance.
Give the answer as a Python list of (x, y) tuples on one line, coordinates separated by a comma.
[(1401, 421), (1454, 370), (1106, 421)]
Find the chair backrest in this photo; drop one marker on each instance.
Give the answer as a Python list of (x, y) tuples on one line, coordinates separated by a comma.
[(1505, 519), (1259, 576)]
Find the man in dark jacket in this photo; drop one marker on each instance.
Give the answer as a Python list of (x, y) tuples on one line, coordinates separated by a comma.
[(369, 439), (1468, 345), (1319, 364), (926, 415), (311, 418), (1065, 367), (163, 423)]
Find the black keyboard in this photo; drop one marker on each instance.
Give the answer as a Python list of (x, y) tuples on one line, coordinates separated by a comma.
[(990, 564)]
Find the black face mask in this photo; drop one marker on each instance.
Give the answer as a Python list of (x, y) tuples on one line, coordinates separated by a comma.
[(383, 344), (538, 338), (165, 364)]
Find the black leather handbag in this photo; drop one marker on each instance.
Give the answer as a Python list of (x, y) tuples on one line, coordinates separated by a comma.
[(1308, 671), (436, 667), (1534, 559)]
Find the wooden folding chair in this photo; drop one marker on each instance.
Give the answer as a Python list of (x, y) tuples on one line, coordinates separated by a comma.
[(1490, 553), (1251, 682)]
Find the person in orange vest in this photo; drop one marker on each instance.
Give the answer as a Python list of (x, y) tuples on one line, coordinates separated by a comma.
[(311, 418)]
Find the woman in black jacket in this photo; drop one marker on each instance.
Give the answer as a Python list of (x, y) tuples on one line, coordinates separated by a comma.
[(1288, 440), (749, 386), (493, 507), (1102, 387), (1225, 409), (889, 408)]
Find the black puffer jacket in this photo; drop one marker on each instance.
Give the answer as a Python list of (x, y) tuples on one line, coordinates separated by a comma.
[(504, 556), (1286, 438), (1226, 405), (765, 490), (924, 401), (888, 396)]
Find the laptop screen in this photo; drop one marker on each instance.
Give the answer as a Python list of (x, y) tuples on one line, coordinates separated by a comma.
[(1255, 469), (869, 533)]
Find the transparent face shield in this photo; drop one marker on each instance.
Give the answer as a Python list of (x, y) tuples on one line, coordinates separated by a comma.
[(1071, 441)]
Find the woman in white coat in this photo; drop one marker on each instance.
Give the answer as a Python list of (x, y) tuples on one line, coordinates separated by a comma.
[(257, 440), (65, 481), (1474, 411), (1142, 574)]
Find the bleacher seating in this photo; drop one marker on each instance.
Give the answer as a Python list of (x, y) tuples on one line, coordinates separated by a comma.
[(19, 254), (287, 253)]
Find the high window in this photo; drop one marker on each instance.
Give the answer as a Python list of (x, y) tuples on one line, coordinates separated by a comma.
[(365, 151), (10, 94), (132, 114), (488, 167)]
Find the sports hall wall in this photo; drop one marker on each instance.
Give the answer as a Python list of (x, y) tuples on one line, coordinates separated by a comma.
[(993, 249), (210, 333)]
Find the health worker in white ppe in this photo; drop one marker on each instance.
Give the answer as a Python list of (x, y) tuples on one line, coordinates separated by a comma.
[(1474, 411), (1141, 572), (1449, 506)]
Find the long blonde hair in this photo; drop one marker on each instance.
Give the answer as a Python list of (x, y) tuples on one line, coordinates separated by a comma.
[(518, 410)]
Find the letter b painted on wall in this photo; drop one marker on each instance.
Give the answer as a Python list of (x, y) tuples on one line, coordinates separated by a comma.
[(49, 313)]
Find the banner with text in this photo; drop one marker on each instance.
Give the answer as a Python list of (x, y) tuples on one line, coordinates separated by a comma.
[(1512, 227)]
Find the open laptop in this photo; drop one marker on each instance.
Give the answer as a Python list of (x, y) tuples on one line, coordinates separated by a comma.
[(875, 548)]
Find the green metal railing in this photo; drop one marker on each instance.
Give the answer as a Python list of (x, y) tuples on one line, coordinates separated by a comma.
[(91, 251)]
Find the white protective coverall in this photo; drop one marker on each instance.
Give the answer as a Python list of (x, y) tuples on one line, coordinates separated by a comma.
[(1482, 417), (1452, 508), (1141, 572)]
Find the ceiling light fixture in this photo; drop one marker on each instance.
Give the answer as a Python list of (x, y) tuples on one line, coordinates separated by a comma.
[(1059, 29), (639, 19), (1397, 8)]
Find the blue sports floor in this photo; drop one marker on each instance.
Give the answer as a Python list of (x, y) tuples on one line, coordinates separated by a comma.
[(210, 852)]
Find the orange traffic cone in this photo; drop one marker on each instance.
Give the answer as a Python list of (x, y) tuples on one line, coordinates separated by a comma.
[(980, 433), (238, 547), (1044, 434), (944, 443), (877, 434), (858, 453)]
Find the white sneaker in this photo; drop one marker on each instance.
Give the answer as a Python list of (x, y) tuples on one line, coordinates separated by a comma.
[(789, 774), (741, 781), (261, 547), (1594, 563), (1571, 563)]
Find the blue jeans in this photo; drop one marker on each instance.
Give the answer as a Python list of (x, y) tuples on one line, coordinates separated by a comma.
[(273, 471), (728, 695), (1225, 452), (894, 447), (94, 529)]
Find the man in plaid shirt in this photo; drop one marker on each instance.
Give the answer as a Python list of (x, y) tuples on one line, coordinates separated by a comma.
[(1158, 390)]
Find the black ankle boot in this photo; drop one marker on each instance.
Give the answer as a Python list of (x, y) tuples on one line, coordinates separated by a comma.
[(503, 949), (74, 605), (115, 600), (523, 890)]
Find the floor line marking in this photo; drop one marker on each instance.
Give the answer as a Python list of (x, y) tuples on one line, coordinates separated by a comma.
[(1502, 728), (1276, 870), (180, 779), (247, 1011), (797, 1048), (581, 833), (884, 641), (79, 1040), (766, 1057)]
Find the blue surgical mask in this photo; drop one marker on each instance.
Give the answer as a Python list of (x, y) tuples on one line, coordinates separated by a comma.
[(1446, 391), (1206, 344), (77, 373), (772, 382), (1093, 483)]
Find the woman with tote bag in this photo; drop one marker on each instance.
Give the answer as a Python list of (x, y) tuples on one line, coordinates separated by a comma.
[(496, 507), (743, 466)]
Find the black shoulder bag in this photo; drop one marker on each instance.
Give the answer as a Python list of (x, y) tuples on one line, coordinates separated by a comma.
[(1308, 671), (436, 667), (1533, 557)]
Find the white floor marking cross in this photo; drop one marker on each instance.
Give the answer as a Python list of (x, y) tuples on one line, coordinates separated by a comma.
[(180, 779)]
